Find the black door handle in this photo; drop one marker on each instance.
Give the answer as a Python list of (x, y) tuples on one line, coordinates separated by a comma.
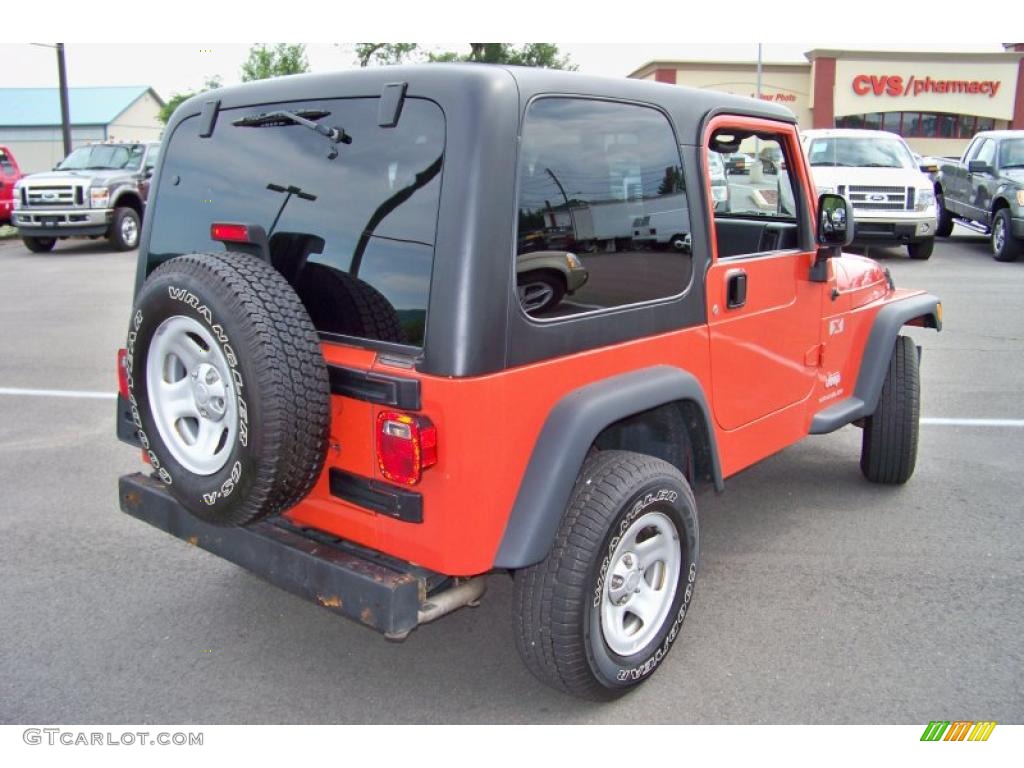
[(736, 289)]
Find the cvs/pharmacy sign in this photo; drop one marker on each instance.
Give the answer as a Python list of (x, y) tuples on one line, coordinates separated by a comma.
[(897, 85)]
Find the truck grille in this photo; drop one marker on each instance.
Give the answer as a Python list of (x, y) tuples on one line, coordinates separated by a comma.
[(55, 196), (879, 198)]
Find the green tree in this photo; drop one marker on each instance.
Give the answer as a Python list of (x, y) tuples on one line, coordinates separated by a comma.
[(175, 101), (282, 59), (544, 55), (386, 53)]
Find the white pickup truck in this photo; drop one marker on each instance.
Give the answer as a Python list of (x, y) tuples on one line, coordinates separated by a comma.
[(893, 200)]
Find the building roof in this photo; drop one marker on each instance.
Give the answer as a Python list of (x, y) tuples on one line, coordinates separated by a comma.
[(650, 66), (87, 106)]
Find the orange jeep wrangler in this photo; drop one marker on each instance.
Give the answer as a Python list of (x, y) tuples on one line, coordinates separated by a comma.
[(392, 334)]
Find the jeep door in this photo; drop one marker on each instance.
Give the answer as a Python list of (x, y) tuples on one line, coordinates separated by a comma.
[(763, 309)]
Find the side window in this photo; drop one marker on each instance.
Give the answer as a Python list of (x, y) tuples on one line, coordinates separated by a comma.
[(603, 214), (761, 211), (987, 152), (972, 151)]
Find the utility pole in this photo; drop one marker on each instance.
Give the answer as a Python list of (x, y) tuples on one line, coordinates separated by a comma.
[(759, 71), (65, 120)]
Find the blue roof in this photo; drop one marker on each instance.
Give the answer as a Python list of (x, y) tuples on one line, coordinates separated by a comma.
[(87, 106)]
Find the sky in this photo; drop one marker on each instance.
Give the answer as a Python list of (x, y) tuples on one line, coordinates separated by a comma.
[(180, 67)]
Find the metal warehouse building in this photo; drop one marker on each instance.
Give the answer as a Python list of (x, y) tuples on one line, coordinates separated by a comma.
[(30, 120), (936, 101)]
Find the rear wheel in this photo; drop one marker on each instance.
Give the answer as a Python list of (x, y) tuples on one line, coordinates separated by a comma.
[(922, 250), (227, 387), (1005, 247), (680, 243), (944, 219), (889, 444), (39, 244), (598, 615)]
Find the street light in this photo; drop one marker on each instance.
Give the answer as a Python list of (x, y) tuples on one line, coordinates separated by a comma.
[(62, 79)]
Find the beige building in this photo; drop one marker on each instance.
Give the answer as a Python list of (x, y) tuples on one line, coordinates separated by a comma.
[(30, 120), (936, 101)]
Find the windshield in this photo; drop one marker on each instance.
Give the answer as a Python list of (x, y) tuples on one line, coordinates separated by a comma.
[(852, 152), (1011, 153), (104, 157)]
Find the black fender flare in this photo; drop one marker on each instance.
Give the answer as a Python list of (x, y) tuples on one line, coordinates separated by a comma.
[(561, 448), (875, 361)]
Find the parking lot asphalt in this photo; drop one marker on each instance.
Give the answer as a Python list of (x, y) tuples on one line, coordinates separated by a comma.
[(821, 598)]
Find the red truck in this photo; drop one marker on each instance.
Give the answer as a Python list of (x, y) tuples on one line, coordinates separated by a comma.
[(9, 175)]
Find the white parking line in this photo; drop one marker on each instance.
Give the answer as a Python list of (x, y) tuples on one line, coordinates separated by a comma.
[(974, 422), (92, 395), (75, 393)]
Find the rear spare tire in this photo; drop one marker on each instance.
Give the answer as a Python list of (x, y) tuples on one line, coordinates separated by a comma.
[(227, 386)]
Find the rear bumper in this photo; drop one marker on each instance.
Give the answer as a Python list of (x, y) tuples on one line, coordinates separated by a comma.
[(379, 592)]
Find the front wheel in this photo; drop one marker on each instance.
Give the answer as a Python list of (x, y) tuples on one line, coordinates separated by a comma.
[(922, 250), (1005, 247), (889, 444), (540, 291), (124, 229), (39, 244), (598, 616)]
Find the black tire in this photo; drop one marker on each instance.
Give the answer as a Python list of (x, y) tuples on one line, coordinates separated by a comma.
[(922, 250), (943, 218), (39, 244), (560, 636), (125, 228), (340, 303), (1005, 247), (889, 444), (552, 290), (278, 376)]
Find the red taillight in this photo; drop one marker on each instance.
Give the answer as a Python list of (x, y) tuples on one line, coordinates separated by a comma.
[(122, 372), (406, 445), (229, 233)]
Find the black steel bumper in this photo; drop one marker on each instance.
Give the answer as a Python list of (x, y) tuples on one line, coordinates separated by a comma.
[(380, 592), (64, 231)]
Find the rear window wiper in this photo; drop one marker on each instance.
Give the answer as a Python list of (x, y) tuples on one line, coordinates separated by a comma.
[(305, 118)]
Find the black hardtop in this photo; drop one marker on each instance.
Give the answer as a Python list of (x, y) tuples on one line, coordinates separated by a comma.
[(479, 86), (474, 324)]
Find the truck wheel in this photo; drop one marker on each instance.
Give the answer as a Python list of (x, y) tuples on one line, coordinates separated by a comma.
[(599, 614), (922, 250), (1005, 247), (124, 229), (539, 291), (227, 386), (39, 244), (943, 218), (680, 243), (889, 444)]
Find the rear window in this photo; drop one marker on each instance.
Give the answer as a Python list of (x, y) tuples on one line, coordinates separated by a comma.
[(353, 234)]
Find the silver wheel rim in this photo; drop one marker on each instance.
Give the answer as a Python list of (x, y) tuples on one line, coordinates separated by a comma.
[(129, 230), (998, 236), (533, 296), (640, 584), (191, 395)]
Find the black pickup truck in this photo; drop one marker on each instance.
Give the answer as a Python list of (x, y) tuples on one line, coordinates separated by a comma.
[(984, 190)]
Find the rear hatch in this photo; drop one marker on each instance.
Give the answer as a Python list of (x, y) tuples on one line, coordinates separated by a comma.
[(351, 224)]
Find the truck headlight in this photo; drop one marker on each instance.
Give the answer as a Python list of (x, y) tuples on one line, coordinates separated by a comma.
[(1020, 197), (16, 197), (923, 199), (826, 190), (573, 261), (98, 198)]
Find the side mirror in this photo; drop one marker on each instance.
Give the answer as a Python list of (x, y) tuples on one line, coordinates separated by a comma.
[(148, 173), (979, 166), (835, 221)]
